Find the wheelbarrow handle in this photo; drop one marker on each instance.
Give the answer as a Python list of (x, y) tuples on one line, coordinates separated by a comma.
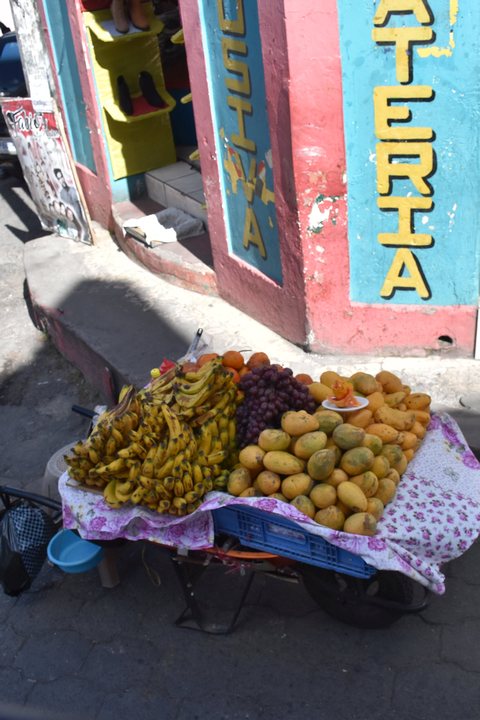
[(6, 491), (86, 412)]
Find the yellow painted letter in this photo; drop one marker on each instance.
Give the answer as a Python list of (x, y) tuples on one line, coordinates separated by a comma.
[(385, 113), (388, 7), (241, 106), (229, 45), (252, 234), (405, 207), (234, 27), (405, 259), (416, 172), (402, 38)]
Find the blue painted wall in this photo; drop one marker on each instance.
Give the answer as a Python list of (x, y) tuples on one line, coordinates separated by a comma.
[(449, 65), (232, 47)]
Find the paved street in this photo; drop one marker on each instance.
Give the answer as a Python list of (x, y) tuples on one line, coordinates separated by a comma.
[(73, 649)]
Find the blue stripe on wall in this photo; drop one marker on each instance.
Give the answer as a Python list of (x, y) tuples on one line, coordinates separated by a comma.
[(69, 80), (448, 64)]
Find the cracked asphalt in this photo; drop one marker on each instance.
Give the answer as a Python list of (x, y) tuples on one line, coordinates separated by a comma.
[(72, 649)]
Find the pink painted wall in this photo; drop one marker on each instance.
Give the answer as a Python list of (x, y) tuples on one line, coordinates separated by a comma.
[(319, 168), (280, 308)]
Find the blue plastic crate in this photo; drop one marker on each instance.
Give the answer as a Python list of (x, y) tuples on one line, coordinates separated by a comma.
[(273, 533)]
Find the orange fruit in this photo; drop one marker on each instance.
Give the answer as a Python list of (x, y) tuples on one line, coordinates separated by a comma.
[(233, 373), (188, 366), (304, 378), (205, 358), (243, 371), (233, 359), (257, 359)]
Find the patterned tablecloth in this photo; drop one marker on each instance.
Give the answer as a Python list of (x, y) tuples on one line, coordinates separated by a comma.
[(434, 518)]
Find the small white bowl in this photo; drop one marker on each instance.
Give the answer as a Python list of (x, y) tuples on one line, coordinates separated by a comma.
[(362, 402)]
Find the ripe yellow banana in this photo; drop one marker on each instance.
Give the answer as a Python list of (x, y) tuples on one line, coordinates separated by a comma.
[(187, 387), (113, 467), (134, 471), (172, 421), (146, 482), (111, 446), (110, 495), (163, 506), (187, 481), (205, 438), (161, 491), (207, 473), (179, 502), (135, 449), (224, 438), (165, 469), (199, 488), (232, 430), (210, 366), (197, 473), (220, 483), (80, 448), (216, 457), (148, 467), (117, 436), (189, 401), (137, 495), (123, 491), (222, 421), (169, 483), (178, 489)]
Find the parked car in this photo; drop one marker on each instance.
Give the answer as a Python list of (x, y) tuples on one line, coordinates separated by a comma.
[(12, 84)]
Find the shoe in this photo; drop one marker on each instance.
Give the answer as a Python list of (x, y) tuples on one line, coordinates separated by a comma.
[(124, 99), (119, 15), (137, 15), (148, 90)]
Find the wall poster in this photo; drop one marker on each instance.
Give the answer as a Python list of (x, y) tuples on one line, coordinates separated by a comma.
[(46, 168)]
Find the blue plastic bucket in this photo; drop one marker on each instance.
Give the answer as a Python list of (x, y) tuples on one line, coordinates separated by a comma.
[(72, 554)]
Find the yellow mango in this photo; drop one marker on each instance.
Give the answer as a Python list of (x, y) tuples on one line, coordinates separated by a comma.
[(386, 490), (361, 523), (298, 484), (386, 433), (352, 496), (322, 495), (283, 463), (298, 422), (331, 516), (319, 392)]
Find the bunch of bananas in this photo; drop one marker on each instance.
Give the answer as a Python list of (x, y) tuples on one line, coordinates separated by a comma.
[(164, 446)]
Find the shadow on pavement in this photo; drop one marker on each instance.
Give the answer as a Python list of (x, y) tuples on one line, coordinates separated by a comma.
[(20, 208)]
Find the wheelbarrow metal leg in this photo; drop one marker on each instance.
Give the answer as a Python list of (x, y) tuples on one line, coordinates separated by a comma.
[(191, 617)]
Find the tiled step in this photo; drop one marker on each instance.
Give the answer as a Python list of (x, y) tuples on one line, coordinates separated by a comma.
[(179, 186)]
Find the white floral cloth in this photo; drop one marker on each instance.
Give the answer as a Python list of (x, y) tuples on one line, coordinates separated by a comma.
[(434, 518)]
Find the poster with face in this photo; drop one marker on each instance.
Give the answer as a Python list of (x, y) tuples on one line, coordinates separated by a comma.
[(46, 169)]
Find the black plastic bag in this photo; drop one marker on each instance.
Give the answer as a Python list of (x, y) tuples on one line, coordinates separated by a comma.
[(25, 531)]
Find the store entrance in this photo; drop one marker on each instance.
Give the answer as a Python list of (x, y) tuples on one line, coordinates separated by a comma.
[(177, 187)]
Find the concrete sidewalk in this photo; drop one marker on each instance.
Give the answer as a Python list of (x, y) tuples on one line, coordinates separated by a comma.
[(115, 321)]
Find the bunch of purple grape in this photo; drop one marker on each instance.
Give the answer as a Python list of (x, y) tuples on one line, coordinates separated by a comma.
[(268, 394)]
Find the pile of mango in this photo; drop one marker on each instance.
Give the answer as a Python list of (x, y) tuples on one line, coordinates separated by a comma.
[(339, 468)]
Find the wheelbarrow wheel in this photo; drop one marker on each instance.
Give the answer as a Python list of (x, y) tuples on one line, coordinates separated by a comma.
[(376, 602)]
